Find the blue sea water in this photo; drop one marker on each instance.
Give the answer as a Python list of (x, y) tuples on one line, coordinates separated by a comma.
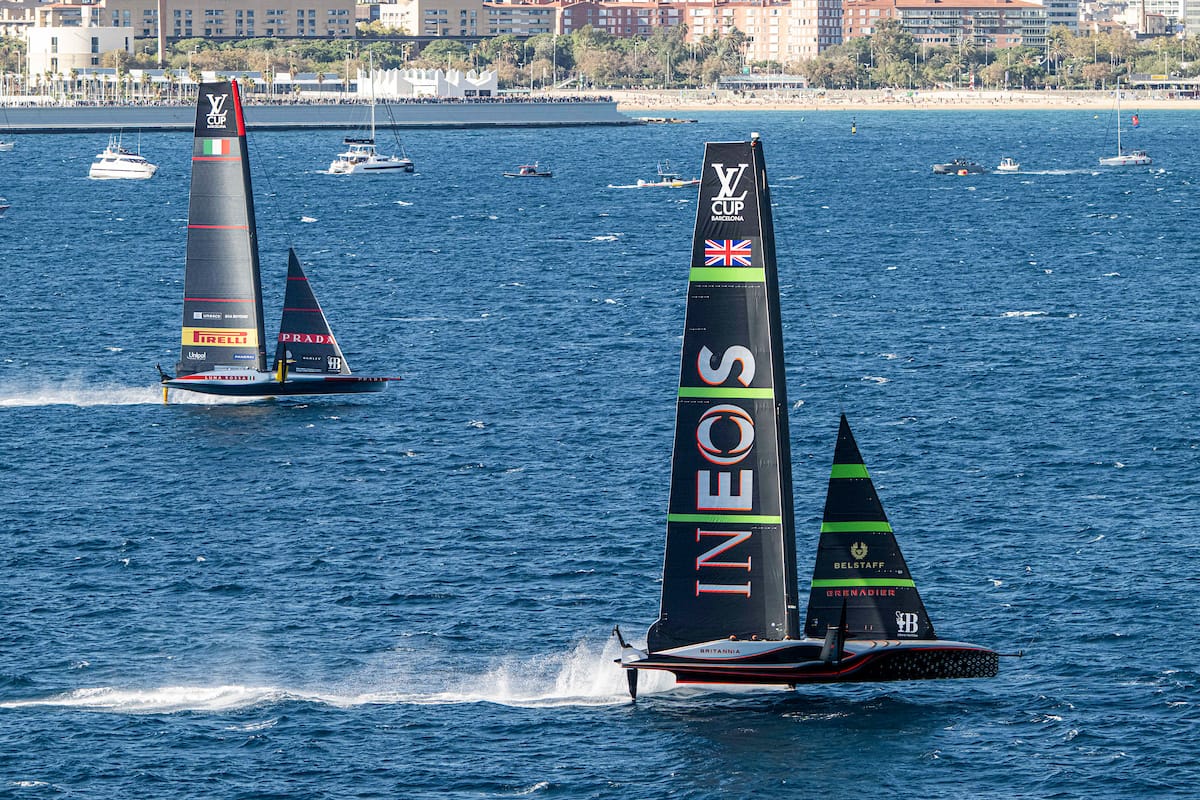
[(410, 594)]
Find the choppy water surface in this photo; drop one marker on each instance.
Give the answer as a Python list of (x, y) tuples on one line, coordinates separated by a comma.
[(409, 594)]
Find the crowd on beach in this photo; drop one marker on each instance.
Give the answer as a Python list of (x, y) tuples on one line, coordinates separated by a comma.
[(883, 99), (254, 98), (688, 99)]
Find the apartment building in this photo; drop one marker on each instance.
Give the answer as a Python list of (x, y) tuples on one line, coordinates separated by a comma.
[(775, 31), (621, 19), (468, 18), (1065, 13), (235, 19), (69, 36), (993, 23), (16, 16)]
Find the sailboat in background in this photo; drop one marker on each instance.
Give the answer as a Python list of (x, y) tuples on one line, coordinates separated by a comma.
[(729, 611), (6, 144), (223, 350), (361, 157), (1134, 158)]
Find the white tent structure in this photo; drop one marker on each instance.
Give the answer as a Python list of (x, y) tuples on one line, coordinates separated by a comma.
[(401, 84)]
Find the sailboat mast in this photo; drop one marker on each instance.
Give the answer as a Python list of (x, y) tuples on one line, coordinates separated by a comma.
[(371, 78), (222, 306), (1118, 116)]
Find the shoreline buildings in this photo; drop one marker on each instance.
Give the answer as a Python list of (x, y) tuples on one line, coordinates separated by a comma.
[(76, 34)]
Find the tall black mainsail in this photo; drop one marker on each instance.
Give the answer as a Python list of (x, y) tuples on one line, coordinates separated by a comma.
[(305, 342), (222, 300), (859, 566), (223, 345), (728, 611), (730, 566)]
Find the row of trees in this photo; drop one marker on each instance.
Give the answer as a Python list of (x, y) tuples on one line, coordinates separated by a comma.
[(591, 58), (893, 58)]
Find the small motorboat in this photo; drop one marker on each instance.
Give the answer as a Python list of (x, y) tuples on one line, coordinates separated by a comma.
[(959, 166), (3, 206), (667, 178), (5, 144), (1008, 165), (117, 162), (529, 171)]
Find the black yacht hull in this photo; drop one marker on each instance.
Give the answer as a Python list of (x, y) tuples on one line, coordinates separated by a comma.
[(233, 387), (792, 664)]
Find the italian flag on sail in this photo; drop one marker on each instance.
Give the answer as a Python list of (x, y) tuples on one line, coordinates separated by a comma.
[(216, 147)]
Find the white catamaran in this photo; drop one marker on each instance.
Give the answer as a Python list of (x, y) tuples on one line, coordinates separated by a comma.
[(223, 343), (729, 610), (361, 157)]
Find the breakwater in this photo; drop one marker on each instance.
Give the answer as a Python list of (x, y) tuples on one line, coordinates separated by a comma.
[(301, 116)]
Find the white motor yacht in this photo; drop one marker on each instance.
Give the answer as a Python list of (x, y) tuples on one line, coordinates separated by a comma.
[(118, 162)]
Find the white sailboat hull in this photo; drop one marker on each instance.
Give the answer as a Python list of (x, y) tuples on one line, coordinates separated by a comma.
[(375, 165), (1127, 160)]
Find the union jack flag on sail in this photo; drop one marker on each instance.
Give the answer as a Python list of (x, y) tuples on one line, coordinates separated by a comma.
[(727, 252)]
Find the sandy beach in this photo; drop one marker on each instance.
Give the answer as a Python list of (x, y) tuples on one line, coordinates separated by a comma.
[(655, 103)]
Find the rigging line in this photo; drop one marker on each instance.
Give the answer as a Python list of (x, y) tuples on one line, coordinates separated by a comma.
[(395, 126), (797, 297), (280, 223)]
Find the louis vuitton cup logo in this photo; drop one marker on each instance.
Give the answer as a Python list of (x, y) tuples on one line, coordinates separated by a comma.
[(727, 206), (217, 111)]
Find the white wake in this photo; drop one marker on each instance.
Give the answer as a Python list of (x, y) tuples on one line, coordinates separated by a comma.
[(74, 392), (584, 676)]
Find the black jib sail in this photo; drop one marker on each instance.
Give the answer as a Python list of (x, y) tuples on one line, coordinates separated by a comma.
[(859, 566), (222, 304), (730, 566), (306, 343)]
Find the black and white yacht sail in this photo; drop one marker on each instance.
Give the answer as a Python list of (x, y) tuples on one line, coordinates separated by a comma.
[(223, 346), (729, 610)]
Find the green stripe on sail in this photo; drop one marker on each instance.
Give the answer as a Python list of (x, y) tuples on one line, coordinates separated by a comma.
[(849, 471), (888, 582), (726, 392), (856, 527), (735, 519), (728, 275)]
